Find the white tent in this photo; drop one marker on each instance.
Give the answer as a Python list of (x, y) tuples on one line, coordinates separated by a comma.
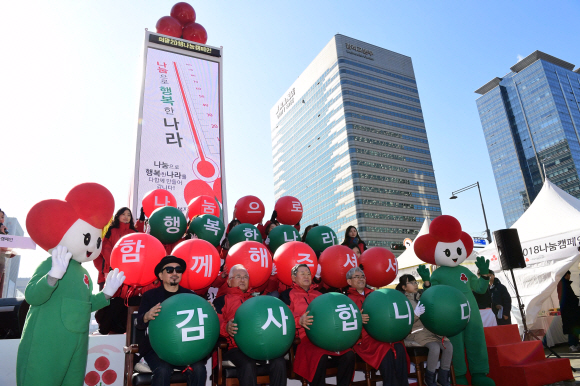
[(549, 232), (408, 260)]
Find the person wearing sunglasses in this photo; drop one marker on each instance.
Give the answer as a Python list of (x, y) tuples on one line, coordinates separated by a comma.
[(169, 271)]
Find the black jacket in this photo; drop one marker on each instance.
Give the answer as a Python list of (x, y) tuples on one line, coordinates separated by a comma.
[(500, 296), (149, 300), (569, 309), (483, 300)]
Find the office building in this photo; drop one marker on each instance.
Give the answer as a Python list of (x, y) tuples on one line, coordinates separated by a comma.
[(349, 140), (531, 123)]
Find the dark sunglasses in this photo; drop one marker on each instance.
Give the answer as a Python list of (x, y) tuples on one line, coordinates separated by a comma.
[(171, 269)]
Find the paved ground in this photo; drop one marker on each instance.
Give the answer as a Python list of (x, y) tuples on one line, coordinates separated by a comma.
[(564, 351)]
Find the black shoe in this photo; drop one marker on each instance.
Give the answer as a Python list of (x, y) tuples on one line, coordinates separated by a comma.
[(443, 378), (430, 378)]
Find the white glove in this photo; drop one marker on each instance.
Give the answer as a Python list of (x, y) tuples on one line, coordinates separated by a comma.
[(318, 271), (419, 310), (267, 241), (60, 260), (114, 280)]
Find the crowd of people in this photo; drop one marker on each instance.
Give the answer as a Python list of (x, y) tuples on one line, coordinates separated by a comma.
[(233, 289)]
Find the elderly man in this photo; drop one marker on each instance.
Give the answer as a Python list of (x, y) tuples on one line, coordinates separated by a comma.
[(226, 306), (311, 361), (390, 358), (169, 271)]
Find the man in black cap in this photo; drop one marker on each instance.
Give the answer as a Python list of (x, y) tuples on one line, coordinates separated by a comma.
[(169, 271)]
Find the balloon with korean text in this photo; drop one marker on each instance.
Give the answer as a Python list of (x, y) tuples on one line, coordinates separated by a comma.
[(282, 234), (288, 210), (203, 205), (290, 254), (137, 254), (335, 262), (185, 331), (255, 257), (380, 266), (156, 199), (447, 310), (168, 224), (208, 227), (321, 237), (202, 261), (244, 232), (337, 322), (250, 210), (266, 328), (391, 315)]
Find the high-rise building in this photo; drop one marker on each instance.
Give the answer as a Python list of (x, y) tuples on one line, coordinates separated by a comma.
[(349, 140), (531, 123)]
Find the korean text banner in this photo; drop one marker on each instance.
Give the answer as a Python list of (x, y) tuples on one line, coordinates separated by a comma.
[(180, 130)]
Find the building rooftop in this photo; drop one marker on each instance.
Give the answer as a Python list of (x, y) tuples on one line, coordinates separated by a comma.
[(488, 86), (537, 55)]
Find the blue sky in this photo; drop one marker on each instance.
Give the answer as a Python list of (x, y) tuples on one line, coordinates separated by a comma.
[(71, 84)]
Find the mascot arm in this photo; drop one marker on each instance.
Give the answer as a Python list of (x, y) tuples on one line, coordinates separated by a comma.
[(478, 284), (98, 301), (38, 291)]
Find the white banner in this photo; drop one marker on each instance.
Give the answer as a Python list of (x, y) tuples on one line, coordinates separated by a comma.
[(9, 241)]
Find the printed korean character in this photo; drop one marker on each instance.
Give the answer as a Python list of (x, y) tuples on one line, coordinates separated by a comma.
[(169, 110), (157, 163), (305, 258), (272, 320), (175, 123), (184, 177), (296, 207), (172, 224), (346, 312), (164, 165), (179, 182), (202, 262), (156, 180), (177, 175), (552, 247), (212, 226), (571, 241), (149, 172), (250, 234), (562, 244), (157, 172), (167, 99), (173, 138), (200, 329), (162, 64), (208, 207), (351, 260), (130, 250), (162, 180), (259, 255), (162, 70), (151, 179)]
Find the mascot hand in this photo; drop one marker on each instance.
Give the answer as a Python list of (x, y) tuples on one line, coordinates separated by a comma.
[(114, 280), (60, 260), (482, 264), (424, 273), (420, 309)]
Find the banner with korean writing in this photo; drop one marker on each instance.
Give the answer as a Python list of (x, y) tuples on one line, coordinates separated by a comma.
[(179, 146)]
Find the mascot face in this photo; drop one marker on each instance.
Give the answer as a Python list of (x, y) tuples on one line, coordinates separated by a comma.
[(75, 223), (445, 244)]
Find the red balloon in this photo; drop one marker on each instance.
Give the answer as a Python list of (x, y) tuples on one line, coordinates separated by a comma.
[(195, 32), (250, 210), (380, 266), (335, 262), (183, 12), (196, 188), (203, 205), (289, 210), (169, 26), (202, 260), (156, 199), (137, 254), (217, 188), (255, 257), (290, 254)]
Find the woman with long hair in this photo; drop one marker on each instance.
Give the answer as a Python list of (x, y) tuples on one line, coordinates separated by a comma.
[(352, 238), (422, 337)]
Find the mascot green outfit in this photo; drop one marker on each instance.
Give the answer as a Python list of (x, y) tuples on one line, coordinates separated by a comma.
[(447, 246), (54, 344)]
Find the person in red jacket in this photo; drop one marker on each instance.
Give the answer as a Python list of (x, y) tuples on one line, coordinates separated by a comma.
[(390, 358), (352, 238), (311, 361), (226, 307)]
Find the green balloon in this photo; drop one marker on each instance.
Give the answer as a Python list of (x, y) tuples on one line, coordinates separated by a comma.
[(208, 227), (447, 310), (390, 314), (282, 234), (244, 232), (266, 328), (321, 237), (185, 331), (168, 224), (337, 322)]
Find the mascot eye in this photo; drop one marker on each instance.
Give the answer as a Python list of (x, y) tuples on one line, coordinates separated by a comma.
[(99, 243), (87, 238), (459, 251), (447, 252)]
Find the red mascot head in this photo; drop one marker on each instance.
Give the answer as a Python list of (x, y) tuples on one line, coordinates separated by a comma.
[(445, 244), (75, 223)]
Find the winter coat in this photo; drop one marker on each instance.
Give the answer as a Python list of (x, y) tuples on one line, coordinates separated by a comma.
[(483, 300), (569, 308), (226, 307), (419, 335), (351, 242), (103, 262), (500, 296)]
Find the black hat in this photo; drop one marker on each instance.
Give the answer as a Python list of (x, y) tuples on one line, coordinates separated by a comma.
[(167, 260)]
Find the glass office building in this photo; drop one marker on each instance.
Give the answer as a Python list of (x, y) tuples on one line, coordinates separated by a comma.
[(349, 140), (531, 123)]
